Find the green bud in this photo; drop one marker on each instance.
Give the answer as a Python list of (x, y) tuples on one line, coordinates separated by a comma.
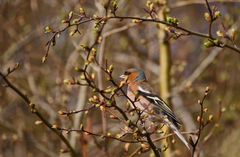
[(48, 29), (81, 10), (114, 4), (220, 33), (84, 47), (217, 14), (216, 42), (77, 68), (172, 20), (150, 5), (208, 44), (64, 21), (72, 33), (75, 21), (70, 15), (110, 69), (207, 17)]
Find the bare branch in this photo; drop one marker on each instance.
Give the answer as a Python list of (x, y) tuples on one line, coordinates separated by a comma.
[(37, 113)]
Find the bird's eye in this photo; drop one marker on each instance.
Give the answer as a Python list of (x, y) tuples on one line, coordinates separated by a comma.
[(127, 73)]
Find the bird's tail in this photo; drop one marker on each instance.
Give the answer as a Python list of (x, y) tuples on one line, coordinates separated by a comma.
[(177, 132)]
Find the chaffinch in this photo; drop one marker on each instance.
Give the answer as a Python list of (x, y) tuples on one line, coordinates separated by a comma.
[(148, 102)]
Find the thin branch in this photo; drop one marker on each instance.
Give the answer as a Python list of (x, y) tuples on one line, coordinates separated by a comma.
[(185, 3), (216, 125), (152, 145), (68, 113), (100, 135), (211, 19), (188, 31), (103, 20), (52, 40), (37, 113), (201, 122), (172, 134), (135, 152)]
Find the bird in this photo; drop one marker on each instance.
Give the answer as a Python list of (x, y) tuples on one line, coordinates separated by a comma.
[(148, 102)]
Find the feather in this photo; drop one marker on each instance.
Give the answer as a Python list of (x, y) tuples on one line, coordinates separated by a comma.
[(168, 116), (160, 105), (177, 132)]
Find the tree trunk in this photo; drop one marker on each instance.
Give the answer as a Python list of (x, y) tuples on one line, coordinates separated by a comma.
[(165, 63)]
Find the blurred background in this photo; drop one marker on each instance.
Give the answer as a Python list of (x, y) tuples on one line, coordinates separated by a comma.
[(193, 68)]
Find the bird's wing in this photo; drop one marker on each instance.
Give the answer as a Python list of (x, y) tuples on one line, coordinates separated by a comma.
[(159, 104), (171, 119)]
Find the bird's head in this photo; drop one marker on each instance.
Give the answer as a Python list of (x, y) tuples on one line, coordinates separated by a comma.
[(134, 75)]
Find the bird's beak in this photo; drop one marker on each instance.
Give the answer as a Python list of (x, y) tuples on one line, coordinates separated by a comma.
[(122, 76)]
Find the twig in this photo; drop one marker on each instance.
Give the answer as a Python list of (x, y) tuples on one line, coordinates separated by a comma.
[(211, 19), (216, 125), (185, 3), (135, 152), (172, 134), (103, 20), (152, 145), (188, 31), (52, 40), (201, 122), (68, 113), (99, 135), (38, 114)]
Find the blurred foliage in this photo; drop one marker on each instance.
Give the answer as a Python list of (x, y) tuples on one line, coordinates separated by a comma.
[(23, 40)]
